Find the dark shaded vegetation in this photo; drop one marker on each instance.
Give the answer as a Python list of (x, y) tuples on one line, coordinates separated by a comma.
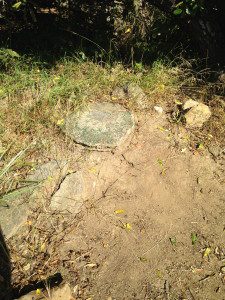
[(50, 282), (129, 30)]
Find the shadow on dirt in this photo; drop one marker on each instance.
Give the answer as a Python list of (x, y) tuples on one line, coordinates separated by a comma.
[(5, 270), (7, 291)]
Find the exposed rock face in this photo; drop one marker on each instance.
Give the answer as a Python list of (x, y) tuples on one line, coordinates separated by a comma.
[(197, 115), (49, 169), (137, 95), (133, 93), (73, 191), (101, 125), (189, 104), (71, 194), (14, 216)]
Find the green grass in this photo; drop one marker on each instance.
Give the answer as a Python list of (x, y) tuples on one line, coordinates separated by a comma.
[(79, 78), (35, 96), (11, 176)]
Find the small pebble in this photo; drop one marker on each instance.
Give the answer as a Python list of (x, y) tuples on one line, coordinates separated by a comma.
[(91, 265), (26, 267), (159, 109)]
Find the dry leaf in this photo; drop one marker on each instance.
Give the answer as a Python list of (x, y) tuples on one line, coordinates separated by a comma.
[(119, 211), (93, 170), (43, 247), (128, 30), (178, 102), (206, 252), (60, 122), (38, 291), (128, 226)]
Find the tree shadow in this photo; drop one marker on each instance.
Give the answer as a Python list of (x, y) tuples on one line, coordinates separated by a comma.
[(7, 291), (52, 37), (90, 31), (5, 270), (50, 30)]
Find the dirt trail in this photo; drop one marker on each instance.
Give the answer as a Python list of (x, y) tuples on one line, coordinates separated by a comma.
[(165, 194), (155, 209)]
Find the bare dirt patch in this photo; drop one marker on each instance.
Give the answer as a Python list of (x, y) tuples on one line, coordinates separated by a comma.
[(152, 229)]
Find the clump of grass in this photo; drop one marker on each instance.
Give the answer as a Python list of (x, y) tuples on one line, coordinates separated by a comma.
[(12, 171), (34, 95), (37, 96)]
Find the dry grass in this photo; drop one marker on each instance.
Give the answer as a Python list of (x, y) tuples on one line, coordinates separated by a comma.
[(34, 97)]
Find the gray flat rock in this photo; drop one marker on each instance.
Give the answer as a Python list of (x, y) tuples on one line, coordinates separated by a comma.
[(13, 217), (197, 116), (101, 125), (71, 194), (47, 170)]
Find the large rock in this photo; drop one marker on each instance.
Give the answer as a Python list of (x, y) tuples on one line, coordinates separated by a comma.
[(101, 125), (17, 206), (197, 115), (137, 95), (133, 93), (189, 104), (49, 169), (73, 191)]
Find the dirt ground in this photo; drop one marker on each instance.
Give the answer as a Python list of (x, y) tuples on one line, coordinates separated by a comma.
[(153, 227)]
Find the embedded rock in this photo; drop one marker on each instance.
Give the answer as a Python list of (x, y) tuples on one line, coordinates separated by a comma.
[(197, 116), (119, 93), (158, 109), (13, 216), (189, 104), (137, 95), (48, 169), (71, 194), (15, 208), (100, 126)]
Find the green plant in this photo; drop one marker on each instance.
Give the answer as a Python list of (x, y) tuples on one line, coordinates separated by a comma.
[(19, 4), (8, 57), (194, 238), (13, 186), (188, 7)]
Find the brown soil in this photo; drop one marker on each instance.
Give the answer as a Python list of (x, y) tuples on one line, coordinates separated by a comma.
[(171, 202)]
